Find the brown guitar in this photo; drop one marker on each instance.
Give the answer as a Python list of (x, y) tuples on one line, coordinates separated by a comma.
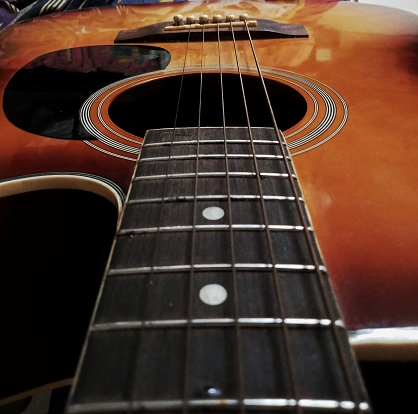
[(219, 294)]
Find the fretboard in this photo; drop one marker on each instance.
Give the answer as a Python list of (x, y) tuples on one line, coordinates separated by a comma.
[(216, 298)]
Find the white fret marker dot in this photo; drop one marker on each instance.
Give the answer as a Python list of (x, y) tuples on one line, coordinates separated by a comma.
[(213, 294), (213, 213)]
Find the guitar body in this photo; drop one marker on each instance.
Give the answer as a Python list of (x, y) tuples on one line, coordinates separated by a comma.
[(357, 171)]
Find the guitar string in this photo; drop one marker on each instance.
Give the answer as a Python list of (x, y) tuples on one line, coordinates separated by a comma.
[(157, 235), (186, 384), (312, 250), (276, 277), (238, 334)]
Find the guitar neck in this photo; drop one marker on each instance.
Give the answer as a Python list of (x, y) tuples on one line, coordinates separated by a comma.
[(215, 297)]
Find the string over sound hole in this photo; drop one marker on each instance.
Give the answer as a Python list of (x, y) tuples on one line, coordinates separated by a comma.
[(288, 105)]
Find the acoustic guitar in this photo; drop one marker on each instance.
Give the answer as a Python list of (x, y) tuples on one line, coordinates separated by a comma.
[(257, 162)]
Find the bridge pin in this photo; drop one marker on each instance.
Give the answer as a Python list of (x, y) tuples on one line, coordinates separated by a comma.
[(178, 19), (204, 18), (217, 18), (243, 17), (190, 19), (230, 18)]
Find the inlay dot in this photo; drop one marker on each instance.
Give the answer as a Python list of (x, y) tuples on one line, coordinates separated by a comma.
[(213, 213), (213, 392), (213, 294)]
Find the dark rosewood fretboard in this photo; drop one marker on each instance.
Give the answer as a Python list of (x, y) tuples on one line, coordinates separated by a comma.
[(212, 299)]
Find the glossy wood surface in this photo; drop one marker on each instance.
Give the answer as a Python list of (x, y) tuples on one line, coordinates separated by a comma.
[(360, 186)]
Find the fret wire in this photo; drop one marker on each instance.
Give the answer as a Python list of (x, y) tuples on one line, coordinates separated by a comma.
[(213, 227), (282, 145), (214, 197), (278, 288), (121, 406), (304, 323), (208, 141), (210, 174), (209, 156), (216, 266), (239, 353)]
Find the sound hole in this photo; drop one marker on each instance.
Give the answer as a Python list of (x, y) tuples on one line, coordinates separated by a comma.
[(153, 105), (54, 247)]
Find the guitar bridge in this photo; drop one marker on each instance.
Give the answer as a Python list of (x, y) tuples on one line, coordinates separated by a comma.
[(169, 32)]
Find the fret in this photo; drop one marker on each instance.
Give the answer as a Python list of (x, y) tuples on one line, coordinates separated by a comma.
[(174, 211), (190, 175), (219, 266), (307, 323), (125, 295), (250, 246), (344, 406), (215, 145), (210, 174), (212, 364), (135, 231), (272, 187), (244, 212), (211, 197), (234, 150), (208, 156), (208, 141)]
